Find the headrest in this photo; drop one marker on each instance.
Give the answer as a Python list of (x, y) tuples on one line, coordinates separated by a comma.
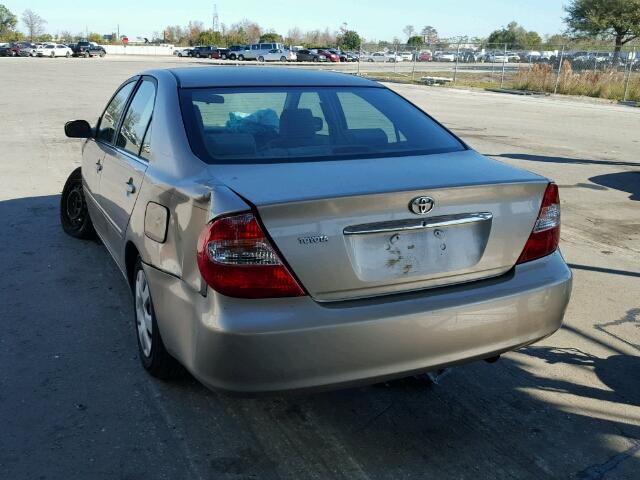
[(298, 123)]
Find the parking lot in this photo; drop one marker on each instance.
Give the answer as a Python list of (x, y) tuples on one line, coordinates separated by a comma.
[(75, 403)]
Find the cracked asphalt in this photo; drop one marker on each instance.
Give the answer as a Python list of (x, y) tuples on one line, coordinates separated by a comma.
[(75, 403)]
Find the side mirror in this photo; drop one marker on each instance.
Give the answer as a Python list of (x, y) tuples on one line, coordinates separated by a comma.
[(78, 129)]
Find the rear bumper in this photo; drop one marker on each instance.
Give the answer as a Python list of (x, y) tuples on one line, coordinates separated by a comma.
[(253, 346)]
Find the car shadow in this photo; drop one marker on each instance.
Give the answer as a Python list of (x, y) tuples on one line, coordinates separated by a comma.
[(624, 181), (73, 393), (566, 160)]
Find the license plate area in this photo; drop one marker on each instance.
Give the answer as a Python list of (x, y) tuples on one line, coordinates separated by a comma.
[(417, 248)]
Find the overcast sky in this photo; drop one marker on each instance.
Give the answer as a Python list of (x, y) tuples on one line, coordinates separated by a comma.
[(373, 19)]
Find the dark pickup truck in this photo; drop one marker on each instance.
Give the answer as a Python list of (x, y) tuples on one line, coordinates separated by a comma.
[(88, 49)]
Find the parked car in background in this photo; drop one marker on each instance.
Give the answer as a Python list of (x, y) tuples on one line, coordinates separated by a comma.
[(255, 50), (310, 55), (444, 57), (219, 53), (331, 57), (352, 56), (342, 57), (235, 50), (203, 51), (328, 234), (88, 49), (53, 50), (182, 52), (407, 56), (27, 50), (425, 57), (10, 50), (278, 55), (381, 57)]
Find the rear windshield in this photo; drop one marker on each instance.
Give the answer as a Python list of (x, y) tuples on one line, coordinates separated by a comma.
[(292, 124)]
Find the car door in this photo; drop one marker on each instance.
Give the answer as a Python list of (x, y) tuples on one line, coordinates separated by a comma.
[(95, 149), (124, 167)]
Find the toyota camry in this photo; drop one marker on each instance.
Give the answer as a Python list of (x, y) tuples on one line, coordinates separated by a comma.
[(285, 229)]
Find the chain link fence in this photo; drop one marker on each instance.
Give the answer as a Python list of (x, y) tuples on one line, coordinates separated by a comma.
[(597, 72)]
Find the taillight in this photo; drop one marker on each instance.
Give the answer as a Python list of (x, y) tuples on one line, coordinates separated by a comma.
[(236, 259), (546, 232)]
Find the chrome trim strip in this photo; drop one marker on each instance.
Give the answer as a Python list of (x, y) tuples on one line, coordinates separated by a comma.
[(417, 224)]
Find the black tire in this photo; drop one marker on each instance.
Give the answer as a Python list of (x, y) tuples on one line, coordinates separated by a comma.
[(232, 56), (67, 55), (74, 215), (223, 57), (241, 57), (158, 363), (87, 54), (261, 58), (283, 59), (102, 54), (53, 55)]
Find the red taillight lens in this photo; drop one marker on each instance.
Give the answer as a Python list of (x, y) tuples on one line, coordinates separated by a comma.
[(236, 259), (546, 232)]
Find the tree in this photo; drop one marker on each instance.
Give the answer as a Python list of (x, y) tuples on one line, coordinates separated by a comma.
[(270, 37), (429, 34), (415, 41), (349, 40), (613, 19), (515, 36), (94, 37), (34, 23), (210, 37), (8, 21), (409, 30)]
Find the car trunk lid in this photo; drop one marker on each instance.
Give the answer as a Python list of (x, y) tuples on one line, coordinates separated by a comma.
[(347, 228)]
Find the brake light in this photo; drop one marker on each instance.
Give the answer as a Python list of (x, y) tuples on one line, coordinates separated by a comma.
[(236, 259), (546, 232)]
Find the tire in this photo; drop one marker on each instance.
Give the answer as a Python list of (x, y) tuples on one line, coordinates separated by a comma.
[(241, 57), (102, 54), (74, 215), (153, 355), (86, 55), (232, 56), (223, 57), (67, 54), (53, 54), (315, 59), (283, 59), (179, 54), (261, 58)]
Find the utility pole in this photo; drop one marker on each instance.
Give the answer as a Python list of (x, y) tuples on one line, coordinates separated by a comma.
[(215, 24)]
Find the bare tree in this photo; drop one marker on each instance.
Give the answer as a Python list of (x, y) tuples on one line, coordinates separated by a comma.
[(409, 30), (294, 36), (34, 23)]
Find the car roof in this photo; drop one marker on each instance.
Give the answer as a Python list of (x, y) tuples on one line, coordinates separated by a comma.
[(191, 77)]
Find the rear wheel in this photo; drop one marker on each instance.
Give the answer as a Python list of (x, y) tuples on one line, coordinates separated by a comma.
[(153, 354), (232, 56), (283, 59), (179, 54), (102, 54), (223, 57), (86, 54), (261, 58), (74, 215), (241, 57), (53, 54), (67, 54)]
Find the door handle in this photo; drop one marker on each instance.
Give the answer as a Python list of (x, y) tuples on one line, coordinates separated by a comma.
[(131, 188), (98, 166)]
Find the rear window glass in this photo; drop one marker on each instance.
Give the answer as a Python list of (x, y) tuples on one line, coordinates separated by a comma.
[(280, 124)]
